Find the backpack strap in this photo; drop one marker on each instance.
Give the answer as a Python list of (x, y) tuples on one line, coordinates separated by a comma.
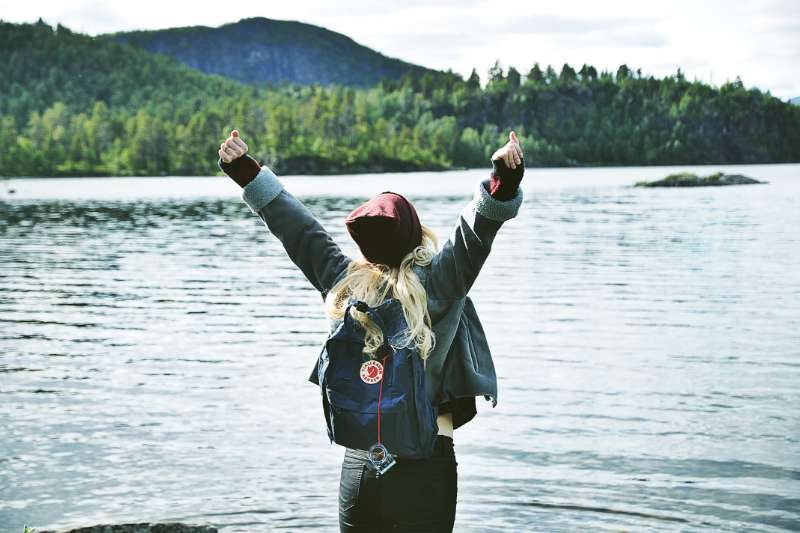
[(374, 313), (388, 316), (371, 312)]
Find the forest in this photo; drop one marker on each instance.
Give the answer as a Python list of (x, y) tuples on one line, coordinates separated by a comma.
[(75, 105)]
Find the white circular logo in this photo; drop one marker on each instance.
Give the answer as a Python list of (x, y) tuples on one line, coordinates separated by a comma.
[(371, 372)]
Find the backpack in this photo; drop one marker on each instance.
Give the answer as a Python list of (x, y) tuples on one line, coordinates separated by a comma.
[(379, 405)]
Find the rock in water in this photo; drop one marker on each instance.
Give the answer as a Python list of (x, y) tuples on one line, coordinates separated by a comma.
[(143, 527), (688, 179)]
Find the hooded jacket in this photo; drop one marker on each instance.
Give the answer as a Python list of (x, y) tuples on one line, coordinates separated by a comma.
[(460, 367)]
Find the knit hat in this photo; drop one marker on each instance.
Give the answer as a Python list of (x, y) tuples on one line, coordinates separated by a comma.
[(386, 228)]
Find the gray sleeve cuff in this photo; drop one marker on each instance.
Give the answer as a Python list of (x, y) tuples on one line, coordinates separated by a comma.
[(262, 190), (493, 208)]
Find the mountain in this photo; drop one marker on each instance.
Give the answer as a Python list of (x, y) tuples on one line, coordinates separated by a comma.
[(265, 51), (75, 105), (43, 65), (795, 100)]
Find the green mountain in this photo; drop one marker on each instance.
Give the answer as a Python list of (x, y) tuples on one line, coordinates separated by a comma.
[(265, 51), (71, 104), (43, 65)]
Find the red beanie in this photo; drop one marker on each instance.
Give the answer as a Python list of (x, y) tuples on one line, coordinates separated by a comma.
[(386, 228)]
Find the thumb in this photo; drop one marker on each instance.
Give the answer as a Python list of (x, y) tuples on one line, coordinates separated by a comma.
[(235, 133), (513, 137)]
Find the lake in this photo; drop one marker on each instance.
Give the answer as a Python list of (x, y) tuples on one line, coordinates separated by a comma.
[(156, 344)]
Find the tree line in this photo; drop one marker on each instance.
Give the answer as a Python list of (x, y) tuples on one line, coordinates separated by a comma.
[(73, 105)]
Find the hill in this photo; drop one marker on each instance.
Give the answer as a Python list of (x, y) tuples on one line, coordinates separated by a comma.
[(795, 100), (72, 104), (265, 51), (43, 65)]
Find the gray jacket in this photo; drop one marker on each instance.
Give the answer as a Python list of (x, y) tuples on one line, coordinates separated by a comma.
[(460, 367)]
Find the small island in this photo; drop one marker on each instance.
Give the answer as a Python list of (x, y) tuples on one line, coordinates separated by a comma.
[(689, 179)]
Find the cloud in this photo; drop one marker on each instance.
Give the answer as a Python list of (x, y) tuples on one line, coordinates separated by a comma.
[(609, 32), (545, 23), (758, 40), (92, 14), (436, 41)]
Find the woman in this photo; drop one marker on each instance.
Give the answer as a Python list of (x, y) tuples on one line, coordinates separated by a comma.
[(400, 258)]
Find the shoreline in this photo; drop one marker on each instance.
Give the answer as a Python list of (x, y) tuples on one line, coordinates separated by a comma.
[(416, 171)]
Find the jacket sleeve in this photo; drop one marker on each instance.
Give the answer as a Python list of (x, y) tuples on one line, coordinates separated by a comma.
[(456, 266), (309, 246)]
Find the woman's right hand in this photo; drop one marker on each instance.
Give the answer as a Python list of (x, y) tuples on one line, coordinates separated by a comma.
[(510, 153), (233, 148)]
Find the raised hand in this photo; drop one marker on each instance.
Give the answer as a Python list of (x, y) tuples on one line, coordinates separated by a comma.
[(510, 153), (233, 147)]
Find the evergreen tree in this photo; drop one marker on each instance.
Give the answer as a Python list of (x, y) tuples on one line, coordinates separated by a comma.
[(134, 113), (535, 75), (474, 81)]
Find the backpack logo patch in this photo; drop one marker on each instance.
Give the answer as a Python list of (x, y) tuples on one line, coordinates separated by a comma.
[(371, 372)]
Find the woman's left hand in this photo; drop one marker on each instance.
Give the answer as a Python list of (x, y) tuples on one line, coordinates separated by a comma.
[(511, 153), (233, 148)]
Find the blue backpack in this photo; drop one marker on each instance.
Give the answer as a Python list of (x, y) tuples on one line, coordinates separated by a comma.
[(379, 405)]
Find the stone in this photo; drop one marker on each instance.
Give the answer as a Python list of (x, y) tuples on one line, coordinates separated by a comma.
[(142, 527)]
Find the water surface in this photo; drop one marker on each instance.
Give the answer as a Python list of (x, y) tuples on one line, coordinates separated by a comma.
[(155, 344)]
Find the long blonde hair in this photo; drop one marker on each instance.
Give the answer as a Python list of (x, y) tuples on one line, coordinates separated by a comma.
[(372, 282)]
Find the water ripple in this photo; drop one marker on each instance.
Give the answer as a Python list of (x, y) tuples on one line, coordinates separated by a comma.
[(156, 347)]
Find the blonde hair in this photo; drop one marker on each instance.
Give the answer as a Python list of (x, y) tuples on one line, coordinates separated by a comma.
[(372, 282)]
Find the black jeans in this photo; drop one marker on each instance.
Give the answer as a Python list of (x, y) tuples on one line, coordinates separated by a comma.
[(415, 495)]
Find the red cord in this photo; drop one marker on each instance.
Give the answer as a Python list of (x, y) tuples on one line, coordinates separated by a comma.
[(380, 395)]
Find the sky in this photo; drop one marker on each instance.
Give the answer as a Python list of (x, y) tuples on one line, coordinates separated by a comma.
[(710, 40)]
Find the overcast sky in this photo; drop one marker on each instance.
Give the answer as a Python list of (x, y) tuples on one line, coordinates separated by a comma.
[(713, 40)]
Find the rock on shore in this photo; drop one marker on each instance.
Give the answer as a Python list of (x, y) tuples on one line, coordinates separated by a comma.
[(688, 179), (142, 527)]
